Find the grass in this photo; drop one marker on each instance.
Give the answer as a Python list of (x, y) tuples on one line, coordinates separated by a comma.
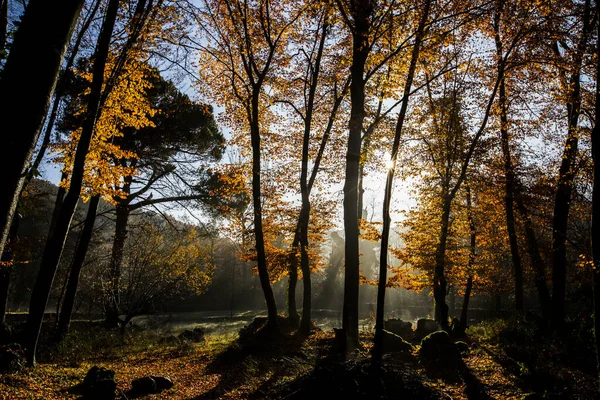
[(274, 366)]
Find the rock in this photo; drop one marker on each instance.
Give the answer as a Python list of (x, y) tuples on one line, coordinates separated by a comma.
[(462, 347), (426, 327), (399, 327), (143, 386), (197, 335), (393, 343), (99, 383), (169, 340), (438, 346), (163, 382), (12, 358)]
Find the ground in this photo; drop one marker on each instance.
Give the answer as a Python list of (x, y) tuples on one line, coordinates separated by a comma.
[(289, 366)]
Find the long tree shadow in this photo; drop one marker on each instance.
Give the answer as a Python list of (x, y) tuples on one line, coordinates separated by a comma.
[(261, 354)]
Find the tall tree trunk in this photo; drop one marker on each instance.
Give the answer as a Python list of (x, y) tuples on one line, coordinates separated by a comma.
[(595, 234), (292, 283), (116, 260), (362, 10), (509, 174), (566, 174), (58, 95), (6, 268), (55, 244), (534, 254), (77, 264), (472, 248), (3, 28), (27, 84), (385, 233), (440, 283), (305, 323), (263, 272)]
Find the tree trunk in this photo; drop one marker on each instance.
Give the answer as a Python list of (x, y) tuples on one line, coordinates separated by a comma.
[(595, 234), (116, 260), (387, 199), (55, 244), (3, 28), (473, 242), (77, 264), (6, 268), (360, 51), (305, 323), (566, 174), (292, 283), (439, 279), (27, 84), (261, 258), (535, 256)]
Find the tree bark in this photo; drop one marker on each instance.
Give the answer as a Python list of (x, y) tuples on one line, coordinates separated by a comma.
[(116, 260), (28, 85), (292, 283), (566, 174), (66, 311), (55, 244), (440, 283), (261, 258), (534, 254), (472, 248), (6, 268), (361, 12), (595, 234), (385, 233)]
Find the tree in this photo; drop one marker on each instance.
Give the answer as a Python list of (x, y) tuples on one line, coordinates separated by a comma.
[(55, 243), (56, 19)]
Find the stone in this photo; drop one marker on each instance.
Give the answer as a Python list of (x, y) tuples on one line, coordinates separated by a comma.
[(196, 335), (399, 327), (163, 382), (144, 386), (12, 358), (426, 327), (462, 347), (393, 343), (99, 383), (438, 346)]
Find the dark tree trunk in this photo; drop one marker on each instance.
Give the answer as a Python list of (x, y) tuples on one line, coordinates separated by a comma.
[(385, 233), (595, 234), (263, 272), (509, 175), (440, 284), (472, 248), (566, 174), (534, 254), (77, 264), (58, 95), (361, 12), (56, 241), (6, 268), (27, 84), (305, 323), (116, 260), (292, 283), (3, 28)]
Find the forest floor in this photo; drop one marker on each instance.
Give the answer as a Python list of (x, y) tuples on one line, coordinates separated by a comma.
[(507, 360)]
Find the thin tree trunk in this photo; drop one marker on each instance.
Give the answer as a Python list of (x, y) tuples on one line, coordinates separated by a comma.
[(535, 256), (6, 269), (292, 283), (78, 260), (116, 260), (440, 283), (263, 272), (473, 242), (360, 51), (385, 233), (595, 234), (566, 174), (27, 84), (55, 244), (58, 95)]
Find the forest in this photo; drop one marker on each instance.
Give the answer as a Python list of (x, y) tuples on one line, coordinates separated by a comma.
[(276, 199)]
